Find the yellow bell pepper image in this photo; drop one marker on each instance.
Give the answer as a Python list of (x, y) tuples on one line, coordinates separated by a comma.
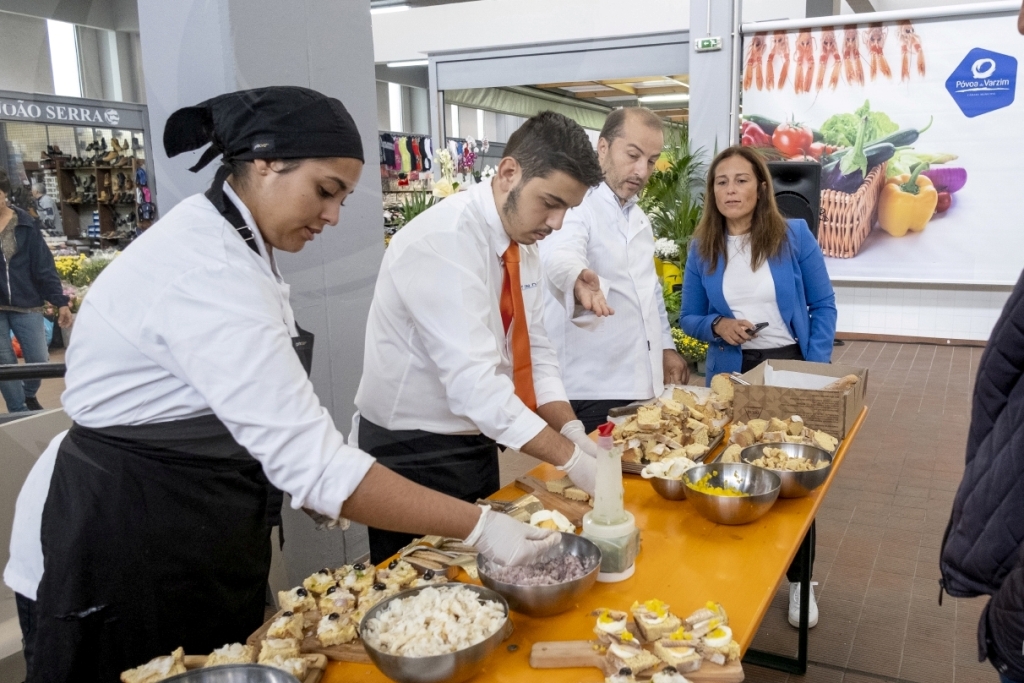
[(907, 203)]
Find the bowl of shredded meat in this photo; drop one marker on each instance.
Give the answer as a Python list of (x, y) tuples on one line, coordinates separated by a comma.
[(549, 587)]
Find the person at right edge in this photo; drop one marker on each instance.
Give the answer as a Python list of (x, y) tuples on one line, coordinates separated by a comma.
[(726, 286), (983, 547)]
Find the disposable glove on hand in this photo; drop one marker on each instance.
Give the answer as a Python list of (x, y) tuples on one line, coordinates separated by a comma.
[(506, 541), (574, 431), (582, 469)]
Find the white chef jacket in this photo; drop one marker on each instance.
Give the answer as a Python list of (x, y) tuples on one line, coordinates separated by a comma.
[(190, 321), (618, 356), (437, 357)]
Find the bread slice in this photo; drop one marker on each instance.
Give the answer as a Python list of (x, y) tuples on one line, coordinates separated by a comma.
[(722, 386), (758, 427), (774, 437), (684, 656), (843, 383), (558, 485), (296, 666), (698, 432), (732, 453), (288, 625), (687, 398), (335, 629), (671, 407), (633, 657), (796, 426), (654, 619), (610, 624), (695, 451), (649, 418), (158, 669), (576, 493), (278, 647), (297, 599), (337, 599), (319, 582), (233, 653), (742, 435), (826, 441), (777, 425)]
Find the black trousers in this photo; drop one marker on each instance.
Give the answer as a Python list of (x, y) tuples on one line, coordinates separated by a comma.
[(751, 359), (465, 467), (594, 413), (26, 619)]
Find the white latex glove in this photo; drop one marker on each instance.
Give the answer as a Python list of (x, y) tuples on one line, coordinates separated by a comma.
[(504, 540), (582, 469), (574, 431)]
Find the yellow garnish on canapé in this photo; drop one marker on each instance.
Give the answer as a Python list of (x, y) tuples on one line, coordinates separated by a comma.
[(656, 606), (717, 633), (712, 605), (605, 617), (626, 636), (680, 634)]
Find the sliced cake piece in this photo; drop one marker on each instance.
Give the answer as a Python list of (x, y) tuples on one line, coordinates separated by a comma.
[(337, 599), (319, 582), (233, 653), (296, 666), (297, 599), (156, 670), (335, 629), (288, 625), (278, 647)]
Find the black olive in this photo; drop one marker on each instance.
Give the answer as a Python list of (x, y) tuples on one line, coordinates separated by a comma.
[(301, 592), (359, 566), (670, 670), (393, 564), (379, 587), (625, 671), (289, 613), (429, 574), (645, 461), (325, 570), (331, 590), (333, 616)]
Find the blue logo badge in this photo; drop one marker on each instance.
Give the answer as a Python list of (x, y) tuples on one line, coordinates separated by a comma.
[(983, 82)]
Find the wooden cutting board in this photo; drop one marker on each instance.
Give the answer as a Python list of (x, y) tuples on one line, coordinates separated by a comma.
[(349, 652), (317, 666), (583, 653), (572, 509)]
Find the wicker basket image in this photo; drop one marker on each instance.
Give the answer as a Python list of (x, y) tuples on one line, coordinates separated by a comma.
[(846, 219)]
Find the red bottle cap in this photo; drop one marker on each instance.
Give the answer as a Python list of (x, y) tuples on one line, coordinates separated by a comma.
[(605, 429)]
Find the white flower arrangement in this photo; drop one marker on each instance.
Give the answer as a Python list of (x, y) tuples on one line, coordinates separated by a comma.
[(666, 249), (443, 188), (488, 172)]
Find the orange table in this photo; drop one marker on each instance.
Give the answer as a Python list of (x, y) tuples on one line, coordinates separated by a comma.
[(685, 560)]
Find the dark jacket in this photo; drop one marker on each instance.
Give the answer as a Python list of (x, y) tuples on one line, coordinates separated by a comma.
[(31, 276), (802, 289), (981, 551)]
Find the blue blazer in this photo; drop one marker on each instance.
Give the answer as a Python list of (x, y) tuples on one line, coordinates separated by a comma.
[(802, 288)]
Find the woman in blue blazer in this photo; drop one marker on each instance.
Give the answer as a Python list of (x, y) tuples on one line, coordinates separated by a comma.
[(724, 301), (728, 290)]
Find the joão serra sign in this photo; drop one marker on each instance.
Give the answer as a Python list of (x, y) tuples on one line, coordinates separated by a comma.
[(917, 128), (70, 112)]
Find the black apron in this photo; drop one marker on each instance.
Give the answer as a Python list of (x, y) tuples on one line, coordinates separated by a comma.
[(462, 466), (154, 537)]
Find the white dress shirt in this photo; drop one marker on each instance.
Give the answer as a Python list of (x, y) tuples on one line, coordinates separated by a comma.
[(190, 321), (619, 356), (751, 296), (437, 357)]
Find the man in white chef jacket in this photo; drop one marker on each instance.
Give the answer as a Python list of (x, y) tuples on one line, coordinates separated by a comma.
[(605, 311), (456, 357)]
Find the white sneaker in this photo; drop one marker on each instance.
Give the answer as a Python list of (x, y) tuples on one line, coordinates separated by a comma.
[(794, 606)]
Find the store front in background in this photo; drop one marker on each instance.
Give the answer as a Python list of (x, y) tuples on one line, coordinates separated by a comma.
[(88, 157)]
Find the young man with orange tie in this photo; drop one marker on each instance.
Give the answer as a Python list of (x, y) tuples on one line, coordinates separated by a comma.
[(457, 359)]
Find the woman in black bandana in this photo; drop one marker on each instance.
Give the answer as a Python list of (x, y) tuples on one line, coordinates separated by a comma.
[(188, 387)]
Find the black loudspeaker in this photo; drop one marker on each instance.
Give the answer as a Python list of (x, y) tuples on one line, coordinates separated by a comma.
[(798, 190)]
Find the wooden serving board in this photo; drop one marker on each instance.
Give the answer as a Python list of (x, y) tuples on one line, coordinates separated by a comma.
[(349, 652), (317, 665), (572, 509), (584, 653)]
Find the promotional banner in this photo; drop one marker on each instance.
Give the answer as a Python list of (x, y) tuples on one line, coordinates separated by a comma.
[(919, 136)]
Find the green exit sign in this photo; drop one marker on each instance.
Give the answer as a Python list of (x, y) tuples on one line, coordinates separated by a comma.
[(708, 44)]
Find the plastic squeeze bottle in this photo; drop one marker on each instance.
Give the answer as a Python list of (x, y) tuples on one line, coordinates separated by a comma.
[(609, 525)]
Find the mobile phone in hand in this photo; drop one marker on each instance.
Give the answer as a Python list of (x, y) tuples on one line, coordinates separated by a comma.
[(757, 328)]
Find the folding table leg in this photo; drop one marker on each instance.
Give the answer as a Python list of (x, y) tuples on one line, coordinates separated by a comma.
[(771, 660)]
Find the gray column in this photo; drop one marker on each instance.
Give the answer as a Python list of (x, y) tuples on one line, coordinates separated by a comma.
[(195, 49), (711, 78)]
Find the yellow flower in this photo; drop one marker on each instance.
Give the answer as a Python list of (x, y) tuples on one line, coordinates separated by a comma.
[(663, 163)]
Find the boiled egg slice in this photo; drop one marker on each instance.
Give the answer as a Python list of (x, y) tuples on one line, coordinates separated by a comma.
[(720, 637)]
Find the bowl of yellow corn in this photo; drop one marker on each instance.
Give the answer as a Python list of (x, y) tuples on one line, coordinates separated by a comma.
[(731, 493)]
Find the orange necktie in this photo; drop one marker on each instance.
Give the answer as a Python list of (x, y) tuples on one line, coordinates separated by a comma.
[(513, 310)]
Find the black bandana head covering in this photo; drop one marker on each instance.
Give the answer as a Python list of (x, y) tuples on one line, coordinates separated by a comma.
[(279, 122)]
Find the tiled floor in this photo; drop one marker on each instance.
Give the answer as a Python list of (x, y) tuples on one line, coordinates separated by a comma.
[(879, 531)]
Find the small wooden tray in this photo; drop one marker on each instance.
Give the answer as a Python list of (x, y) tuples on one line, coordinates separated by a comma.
[(584, 653), (317, 665), (349, 652), (572, 509)]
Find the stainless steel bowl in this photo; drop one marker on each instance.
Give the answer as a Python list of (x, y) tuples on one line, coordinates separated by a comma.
[(235, 673), (454, 667), (794, 484), (543, 601), (670, 489), (762, 485)]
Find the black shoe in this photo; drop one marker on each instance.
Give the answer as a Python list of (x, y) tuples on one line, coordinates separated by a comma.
[(32, 403)]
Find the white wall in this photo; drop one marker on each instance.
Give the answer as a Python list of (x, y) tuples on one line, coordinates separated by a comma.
[(24, 54)]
